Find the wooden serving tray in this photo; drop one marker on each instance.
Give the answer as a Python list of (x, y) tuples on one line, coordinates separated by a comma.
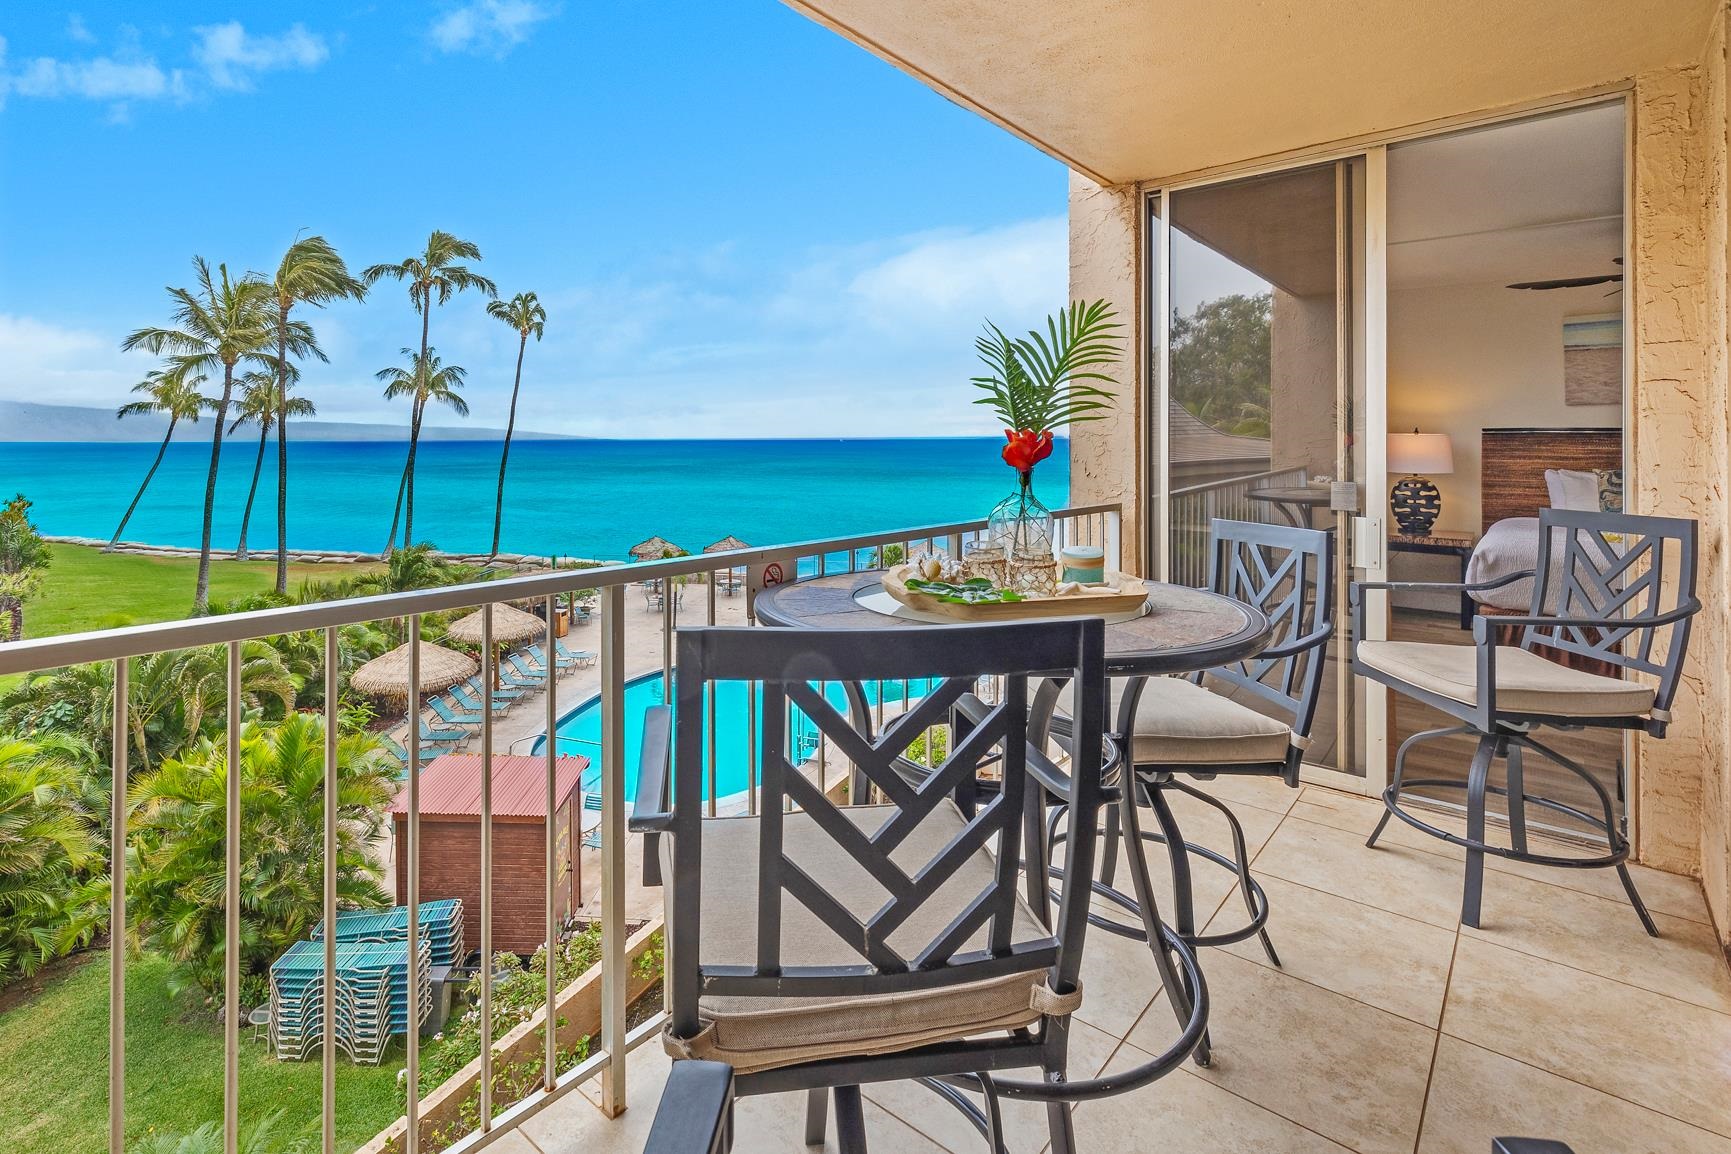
[(1132, 595)]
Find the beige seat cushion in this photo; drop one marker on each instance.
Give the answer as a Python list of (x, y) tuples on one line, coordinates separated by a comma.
[(757, 1033), (1180, 723), (1526, 682)]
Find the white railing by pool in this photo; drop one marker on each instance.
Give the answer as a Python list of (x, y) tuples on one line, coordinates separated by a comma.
[(1096, 524)]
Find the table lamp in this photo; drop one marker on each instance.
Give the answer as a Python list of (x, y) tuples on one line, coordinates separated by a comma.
[(1414, 500)]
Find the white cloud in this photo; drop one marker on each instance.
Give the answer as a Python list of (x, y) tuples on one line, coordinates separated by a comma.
[(231, 56), (77, 30), (492, 27), (41, 361), (98, 78)]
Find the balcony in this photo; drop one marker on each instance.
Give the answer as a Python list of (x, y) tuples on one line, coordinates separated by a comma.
[(1389, 1027)]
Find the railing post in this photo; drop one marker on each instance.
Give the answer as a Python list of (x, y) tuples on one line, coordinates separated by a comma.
[(412, 886), (550, 1056), (488, 658), (231, 912), (117, 916), (1113, 545), (328, 1055), (613, 973)]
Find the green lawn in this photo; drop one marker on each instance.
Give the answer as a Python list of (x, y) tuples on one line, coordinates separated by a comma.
[(53, 1063), (89, 589)]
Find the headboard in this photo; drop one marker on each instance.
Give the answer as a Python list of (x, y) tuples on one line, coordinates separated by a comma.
[(1512, 464)]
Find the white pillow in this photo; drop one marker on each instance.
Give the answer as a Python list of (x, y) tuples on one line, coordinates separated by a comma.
[(1573, 489)]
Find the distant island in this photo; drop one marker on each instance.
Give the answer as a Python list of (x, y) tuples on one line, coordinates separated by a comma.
[(27, 421)]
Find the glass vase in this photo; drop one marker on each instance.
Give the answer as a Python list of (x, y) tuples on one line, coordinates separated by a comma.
[(1020, 530)]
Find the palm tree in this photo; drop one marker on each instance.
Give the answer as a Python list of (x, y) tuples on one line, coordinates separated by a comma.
[(261, 401), (523, 313), (44, 844), (178, 815), (174, 395), (224, 322), (433, 277), (311, 273), (426, 381), (24, 559)]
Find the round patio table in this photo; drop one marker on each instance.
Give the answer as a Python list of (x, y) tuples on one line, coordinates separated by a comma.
[(1184, 631)]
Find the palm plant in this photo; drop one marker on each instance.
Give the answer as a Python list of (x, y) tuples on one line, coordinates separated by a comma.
[(311, 273), (45, 843), (258, 1138), (433, 277), (1034, 383), (178, 815), (426, 381), (170, 698), (175, 396), (24, 558), (525, 315), (261, 401), (224, 322)]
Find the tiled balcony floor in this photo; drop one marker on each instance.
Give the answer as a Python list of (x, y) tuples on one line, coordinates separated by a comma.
[(1390, 1029)]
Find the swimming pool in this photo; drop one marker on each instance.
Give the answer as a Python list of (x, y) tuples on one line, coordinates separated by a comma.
[(579, 729)]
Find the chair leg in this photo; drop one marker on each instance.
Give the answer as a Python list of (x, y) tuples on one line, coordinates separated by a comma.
[(994, 1115), (1241, 852), (1109, 851), (1647, 922), (1478, 776), (816, 1115), (1391, 796), (1059, 1123), (1178, 991), (850, 1135), (1517, 784)]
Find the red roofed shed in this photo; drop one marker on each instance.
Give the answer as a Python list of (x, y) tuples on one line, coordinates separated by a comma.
[(451, 842)]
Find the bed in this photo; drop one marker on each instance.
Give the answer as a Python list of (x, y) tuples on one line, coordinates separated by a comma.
[(1512, 491)]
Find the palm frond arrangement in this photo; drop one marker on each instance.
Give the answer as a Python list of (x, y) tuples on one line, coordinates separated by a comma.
[(1036, 383)]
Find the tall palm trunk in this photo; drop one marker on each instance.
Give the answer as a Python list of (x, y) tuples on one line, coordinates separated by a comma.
[(282, 368), (407, 484), (132, 508), (409, 500), (201, 593), (257, 468), (505, 453)]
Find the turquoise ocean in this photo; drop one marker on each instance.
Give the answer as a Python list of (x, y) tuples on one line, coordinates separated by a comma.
[(586, 498)]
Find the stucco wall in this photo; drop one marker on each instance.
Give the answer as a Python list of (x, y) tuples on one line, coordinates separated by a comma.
[(1681, 440), (1106, 456)]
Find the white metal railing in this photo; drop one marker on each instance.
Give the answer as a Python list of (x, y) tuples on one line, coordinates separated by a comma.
[(1094, 524), (1191, 509)]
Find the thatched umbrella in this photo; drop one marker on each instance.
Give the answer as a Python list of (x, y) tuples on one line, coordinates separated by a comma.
[(388, 674), (726, 545), (655, 549), (510, 627)]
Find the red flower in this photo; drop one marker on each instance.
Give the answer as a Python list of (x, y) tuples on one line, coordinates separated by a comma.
[(1025, 448)]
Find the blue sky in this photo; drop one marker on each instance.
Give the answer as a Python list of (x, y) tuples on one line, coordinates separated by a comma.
[(740, 224)]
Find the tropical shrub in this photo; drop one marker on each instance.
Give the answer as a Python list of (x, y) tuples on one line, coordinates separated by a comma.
[(46, 844), (23, 562), (258, 1138), (176, 886)]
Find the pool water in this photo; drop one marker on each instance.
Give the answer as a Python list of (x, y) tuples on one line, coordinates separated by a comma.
[(580, 729)]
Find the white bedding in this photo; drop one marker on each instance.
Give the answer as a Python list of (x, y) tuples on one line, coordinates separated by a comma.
[(1510, 546)]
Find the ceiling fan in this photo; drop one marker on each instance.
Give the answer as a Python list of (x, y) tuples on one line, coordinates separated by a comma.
[(1615, 278)]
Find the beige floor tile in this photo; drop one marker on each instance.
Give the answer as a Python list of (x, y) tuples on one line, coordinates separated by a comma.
[(1605, 938), (1269, 793), (1118, 980), (1025, 1125), (1476, 1096), (514, 1144), (1660, 1052), (1668, 893), (1346, 1070), (1188, 1113), (774, 1122), (1391, 877), (1383, 959)]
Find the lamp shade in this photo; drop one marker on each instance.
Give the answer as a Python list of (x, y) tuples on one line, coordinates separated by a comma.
[(1429, 454)]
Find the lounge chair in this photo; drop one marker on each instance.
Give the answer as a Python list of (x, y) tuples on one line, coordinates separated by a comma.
[(536, 654), (582, 657), (468, 695), (451, 715), (516, 680), (394, 748), (431, 735), (522, 665)]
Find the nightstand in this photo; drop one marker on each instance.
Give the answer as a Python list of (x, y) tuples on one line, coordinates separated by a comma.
[(1443, 541)]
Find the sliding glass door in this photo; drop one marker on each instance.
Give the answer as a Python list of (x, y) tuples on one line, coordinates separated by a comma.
[(1259, 316)]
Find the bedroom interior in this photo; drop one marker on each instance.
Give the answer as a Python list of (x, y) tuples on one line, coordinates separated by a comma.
[(1504, 333)]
